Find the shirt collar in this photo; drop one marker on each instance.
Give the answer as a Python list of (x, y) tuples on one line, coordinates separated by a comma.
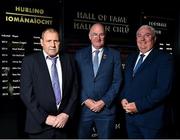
[(94, 49), (145, 54), (47, 56)]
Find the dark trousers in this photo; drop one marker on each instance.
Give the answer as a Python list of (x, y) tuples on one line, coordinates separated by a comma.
[(104, 127), (50, 134), (142, 132)]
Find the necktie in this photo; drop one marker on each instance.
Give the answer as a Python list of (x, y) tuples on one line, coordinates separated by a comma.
[(96, 62), (140, 61), (55, 80)]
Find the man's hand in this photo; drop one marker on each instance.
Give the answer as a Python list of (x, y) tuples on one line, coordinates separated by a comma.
[(58, 121), (89, 103), (95, 106), (98, 106), (124, 102), (61, 120), (50, 120), (129, 107)]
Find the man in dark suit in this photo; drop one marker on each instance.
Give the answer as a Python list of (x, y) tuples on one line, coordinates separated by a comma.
[(99, 85), (45, 117), (147, 88)]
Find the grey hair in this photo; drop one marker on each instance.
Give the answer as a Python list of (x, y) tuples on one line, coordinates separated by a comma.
[(52, 30), (153, 31)]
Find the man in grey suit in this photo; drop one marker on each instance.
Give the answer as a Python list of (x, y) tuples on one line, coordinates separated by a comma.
[(46, 117), (100, 79)]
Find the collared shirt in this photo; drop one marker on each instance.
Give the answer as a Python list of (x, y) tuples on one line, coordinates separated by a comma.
[(145, 56), (101, 50), (59, 69)]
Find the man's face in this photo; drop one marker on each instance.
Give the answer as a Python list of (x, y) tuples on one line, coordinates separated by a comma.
[(50, 43), (97, 36), (145, 40)]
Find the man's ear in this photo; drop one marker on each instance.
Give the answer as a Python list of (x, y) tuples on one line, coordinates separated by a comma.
[(41, 41)]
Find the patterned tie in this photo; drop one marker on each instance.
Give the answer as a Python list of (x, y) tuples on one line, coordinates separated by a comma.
[(96, 62), (55, 80), (140, 61)]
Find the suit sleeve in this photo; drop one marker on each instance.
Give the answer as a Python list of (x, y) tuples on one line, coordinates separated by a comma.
[(113, 90), (26, 91), (78, 59), (127, 67), (72, 101)]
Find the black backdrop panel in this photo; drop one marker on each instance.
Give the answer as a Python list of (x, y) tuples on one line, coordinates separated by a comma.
[(21, 26), (120, 24)]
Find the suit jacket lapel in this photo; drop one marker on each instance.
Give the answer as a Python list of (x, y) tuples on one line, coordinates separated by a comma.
[(43, 71), (87, 57), (64, 71), (132, 64), (148, 60), (103, 60)]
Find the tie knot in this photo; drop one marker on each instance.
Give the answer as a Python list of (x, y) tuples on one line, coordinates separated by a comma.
[(96, 51), (142, 55), (53, 59)]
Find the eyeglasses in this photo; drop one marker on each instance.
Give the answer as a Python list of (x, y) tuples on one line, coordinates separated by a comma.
[(101, 35)]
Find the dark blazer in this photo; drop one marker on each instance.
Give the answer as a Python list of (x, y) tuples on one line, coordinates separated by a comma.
[(37, 93), (106, 84), (149, 88)]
